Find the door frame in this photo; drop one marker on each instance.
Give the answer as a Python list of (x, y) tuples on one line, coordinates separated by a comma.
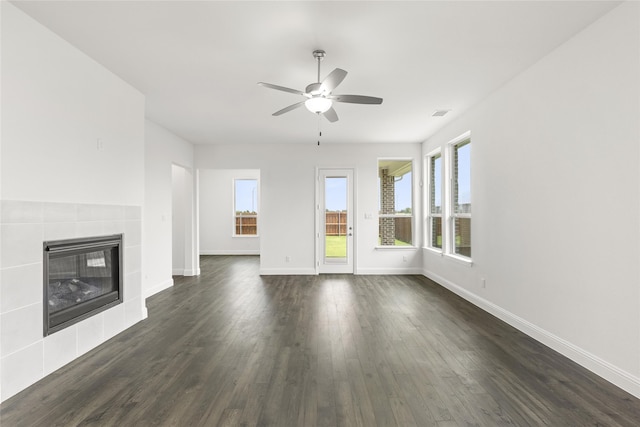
[(318, 225)]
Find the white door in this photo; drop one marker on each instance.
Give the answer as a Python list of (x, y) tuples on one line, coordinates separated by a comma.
[(335, 221)]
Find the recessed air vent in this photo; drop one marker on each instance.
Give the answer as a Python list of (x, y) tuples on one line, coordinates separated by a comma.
[(439, 113)]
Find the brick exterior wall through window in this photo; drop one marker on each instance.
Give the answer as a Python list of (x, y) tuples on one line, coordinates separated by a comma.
[(388, 202)]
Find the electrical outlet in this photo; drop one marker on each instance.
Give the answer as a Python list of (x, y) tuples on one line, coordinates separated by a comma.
[(404, 258), (287, 259), (483, 282)]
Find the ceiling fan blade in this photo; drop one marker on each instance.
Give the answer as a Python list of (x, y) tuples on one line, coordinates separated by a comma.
[(333, 79), (356, 99), (331, 115), (282, 88), (289, 108)]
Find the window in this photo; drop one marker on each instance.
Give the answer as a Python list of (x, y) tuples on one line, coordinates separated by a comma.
[(461, 198), (449, 198), (396, 203), (245, 207), (434, 216)]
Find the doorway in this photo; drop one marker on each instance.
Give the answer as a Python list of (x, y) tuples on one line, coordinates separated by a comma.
[(185, 260), (335, 221)]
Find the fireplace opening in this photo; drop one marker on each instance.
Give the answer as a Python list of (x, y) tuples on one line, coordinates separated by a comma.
[(82, 277)]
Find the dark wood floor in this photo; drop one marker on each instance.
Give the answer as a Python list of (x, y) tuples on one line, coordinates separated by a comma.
[(232, 348)]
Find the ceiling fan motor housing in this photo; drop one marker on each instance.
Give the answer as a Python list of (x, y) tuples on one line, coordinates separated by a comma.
[(314, 89)]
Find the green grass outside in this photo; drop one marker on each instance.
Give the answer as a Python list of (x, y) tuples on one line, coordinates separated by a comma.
[(336, 246)]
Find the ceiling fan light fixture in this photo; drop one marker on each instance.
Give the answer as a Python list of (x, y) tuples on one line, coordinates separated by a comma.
[(318, 104), (320, 97)]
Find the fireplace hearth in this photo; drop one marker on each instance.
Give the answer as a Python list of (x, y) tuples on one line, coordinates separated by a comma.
[(82, 277)]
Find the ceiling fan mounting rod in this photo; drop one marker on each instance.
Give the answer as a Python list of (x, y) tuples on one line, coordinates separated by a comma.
[(319, 54)]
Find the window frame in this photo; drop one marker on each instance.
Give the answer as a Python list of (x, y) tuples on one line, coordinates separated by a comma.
[(412, 245), (234, 214), (452, 215), (430, 198)]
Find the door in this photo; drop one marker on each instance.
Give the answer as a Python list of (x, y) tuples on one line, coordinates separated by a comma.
[(335, 221)]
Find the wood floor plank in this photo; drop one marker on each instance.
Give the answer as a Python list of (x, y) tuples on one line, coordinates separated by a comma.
[(232, 348), (411, 395), (362, 403), (256, 395)]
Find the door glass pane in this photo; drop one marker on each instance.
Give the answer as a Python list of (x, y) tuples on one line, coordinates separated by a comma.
[(335, 191)]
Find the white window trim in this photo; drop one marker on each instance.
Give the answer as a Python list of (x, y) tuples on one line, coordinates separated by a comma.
[(429, 216), (233, 208), (413, 204), (451, 215)]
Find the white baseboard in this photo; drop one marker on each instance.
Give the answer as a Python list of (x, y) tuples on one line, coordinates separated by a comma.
[(230, 252), (361, 271), (389, 271), (185, 272), (606, 370), (158, 288), (287, 271)]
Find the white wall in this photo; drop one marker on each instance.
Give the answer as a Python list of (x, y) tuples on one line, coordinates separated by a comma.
[(57, 105), (217, 219), (163, 150), (72, 166), (288, 196), (555, 193)]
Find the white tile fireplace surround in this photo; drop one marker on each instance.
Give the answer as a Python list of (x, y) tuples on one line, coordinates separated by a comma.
[(25, 355)]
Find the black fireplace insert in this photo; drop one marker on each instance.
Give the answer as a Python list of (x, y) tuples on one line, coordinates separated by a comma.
[(82, 277)]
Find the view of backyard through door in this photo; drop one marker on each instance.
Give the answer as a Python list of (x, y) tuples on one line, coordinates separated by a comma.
[(335, 220)]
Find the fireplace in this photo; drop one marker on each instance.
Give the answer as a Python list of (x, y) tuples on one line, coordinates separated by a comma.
[(82, 277)]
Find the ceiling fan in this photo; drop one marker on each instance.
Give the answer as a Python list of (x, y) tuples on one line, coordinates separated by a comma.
[(319, 97)]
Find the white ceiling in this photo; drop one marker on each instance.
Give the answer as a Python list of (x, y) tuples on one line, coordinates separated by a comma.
[(198, 63)]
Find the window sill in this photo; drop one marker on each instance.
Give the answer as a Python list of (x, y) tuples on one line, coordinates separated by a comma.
[(434, 250), (394, 248), (460, 259), (456, 258)]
